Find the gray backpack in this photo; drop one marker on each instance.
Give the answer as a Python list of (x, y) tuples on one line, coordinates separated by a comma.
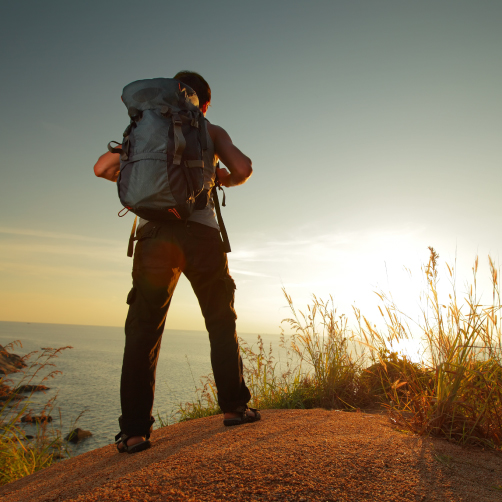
[(161, 163), (161, 160)]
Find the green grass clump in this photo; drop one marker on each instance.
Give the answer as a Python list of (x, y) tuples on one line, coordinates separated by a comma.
[(455, 392), (20, 454), (388, 380), (330, 365)]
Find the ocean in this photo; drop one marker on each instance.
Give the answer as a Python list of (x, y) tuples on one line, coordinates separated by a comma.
[(90, 377)]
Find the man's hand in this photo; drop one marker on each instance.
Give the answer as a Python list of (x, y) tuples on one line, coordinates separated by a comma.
[(223, 177), (108, 166), (237, 163)]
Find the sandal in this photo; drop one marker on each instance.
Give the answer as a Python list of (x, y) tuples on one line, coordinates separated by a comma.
[(121, 442), (243, 417)]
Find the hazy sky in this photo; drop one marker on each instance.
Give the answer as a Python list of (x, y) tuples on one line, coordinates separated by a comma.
[(374, 128)]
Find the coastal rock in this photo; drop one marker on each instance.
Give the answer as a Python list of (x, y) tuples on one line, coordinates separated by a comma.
[(7, 394), (10, 363), (77, 434), (31, 388), (36, 419)]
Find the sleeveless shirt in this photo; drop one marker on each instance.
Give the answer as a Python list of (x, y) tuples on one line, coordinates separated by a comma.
[(207, 215)]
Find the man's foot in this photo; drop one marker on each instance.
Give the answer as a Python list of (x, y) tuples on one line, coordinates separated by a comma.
[(132, 444), (241, 417), (249, 412)]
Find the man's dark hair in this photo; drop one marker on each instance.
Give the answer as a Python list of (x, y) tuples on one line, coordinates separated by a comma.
[(197, 83)]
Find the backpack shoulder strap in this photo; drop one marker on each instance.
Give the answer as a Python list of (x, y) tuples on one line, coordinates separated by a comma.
[(223, 230)]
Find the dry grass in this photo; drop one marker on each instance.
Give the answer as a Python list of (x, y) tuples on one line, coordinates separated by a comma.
[(456, 393), (22, 454)]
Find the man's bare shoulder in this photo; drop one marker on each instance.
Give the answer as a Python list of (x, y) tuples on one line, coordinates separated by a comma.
[(238, 164), (215, 131)]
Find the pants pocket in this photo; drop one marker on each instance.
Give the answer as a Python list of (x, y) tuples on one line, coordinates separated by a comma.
[(131, 297), (147, 231), (230, 288)]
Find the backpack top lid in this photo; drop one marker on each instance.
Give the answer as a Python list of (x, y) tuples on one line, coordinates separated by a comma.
[(153, 93)]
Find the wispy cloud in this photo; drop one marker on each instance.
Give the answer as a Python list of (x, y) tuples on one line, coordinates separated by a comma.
[(33, 270), (307, 284), (55, 235), (322, 247), (247, 272), (22, 251)]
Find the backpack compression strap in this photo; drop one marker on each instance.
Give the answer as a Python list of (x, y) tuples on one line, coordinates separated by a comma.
[(223, 230), (179, 140)]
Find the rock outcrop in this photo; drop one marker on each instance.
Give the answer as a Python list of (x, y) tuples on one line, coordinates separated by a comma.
[(77, 434), (10, 363), (31, 388), (36, 419)]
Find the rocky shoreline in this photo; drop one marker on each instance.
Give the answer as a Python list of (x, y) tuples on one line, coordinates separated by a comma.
[(10, 363), (10, 395), (13, 363)]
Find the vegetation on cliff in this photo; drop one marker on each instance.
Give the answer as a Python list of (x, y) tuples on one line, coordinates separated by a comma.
[(22, 454), (454, 392)]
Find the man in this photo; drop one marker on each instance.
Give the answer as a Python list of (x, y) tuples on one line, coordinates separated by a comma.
[(163, 251)]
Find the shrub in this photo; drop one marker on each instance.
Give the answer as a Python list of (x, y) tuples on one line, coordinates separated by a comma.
[(20, 454)]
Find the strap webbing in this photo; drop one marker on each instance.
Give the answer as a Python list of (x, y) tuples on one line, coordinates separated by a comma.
[(194, 163), (130, 247), (149, 155), (223, 230), (179, 140), (112, 149), (203, 131), (190, 190)]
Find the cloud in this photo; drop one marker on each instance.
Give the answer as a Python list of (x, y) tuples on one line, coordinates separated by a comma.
[(309, 284), (55, 235), (247, 272), (24, 252), (26, 246), (30, 269), (324, 247)]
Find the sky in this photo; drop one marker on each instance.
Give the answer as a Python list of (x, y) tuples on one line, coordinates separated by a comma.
[(374, 129)]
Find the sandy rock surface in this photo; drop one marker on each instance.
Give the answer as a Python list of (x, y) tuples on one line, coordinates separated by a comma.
[(290, 455)]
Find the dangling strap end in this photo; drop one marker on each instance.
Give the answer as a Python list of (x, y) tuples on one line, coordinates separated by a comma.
[(223, 230), (113, 149), (130, 247)]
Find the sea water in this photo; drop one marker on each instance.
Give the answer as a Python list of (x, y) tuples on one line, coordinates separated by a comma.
[(90, 379)]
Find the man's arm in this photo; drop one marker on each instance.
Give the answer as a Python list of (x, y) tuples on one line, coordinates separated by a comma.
[(108, 166), (238, 164)]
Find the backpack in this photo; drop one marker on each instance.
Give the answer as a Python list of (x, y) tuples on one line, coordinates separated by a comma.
[(161, 163), (161, 160)]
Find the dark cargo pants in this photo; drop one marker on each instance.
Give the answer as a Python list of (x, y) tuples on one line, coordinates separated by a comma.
[(163, 252)]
